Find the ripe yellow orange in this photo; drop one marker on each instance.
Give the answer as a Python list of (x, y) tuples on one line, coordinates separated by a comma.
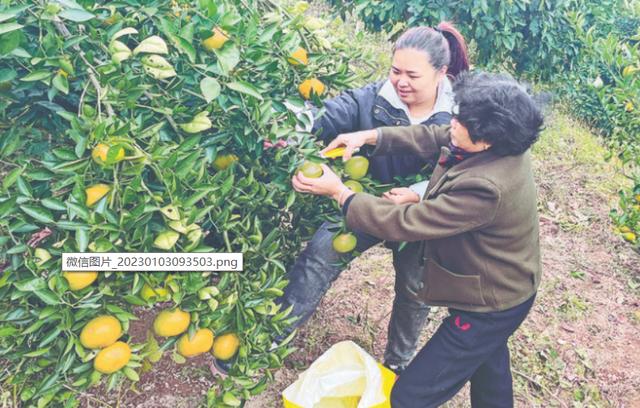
[(217, 40), (99, 153), (629, 237), (80, 280), (629, 70), (225, 346), (637, 197), (100, 332), (95, 193), (344, 243), (298, 57), (112, 358), (355, 186), (356, 167), (223, 161), (629, 106), (309, 86), (201, 342), (310, 169), (148, 293), (171, 322)]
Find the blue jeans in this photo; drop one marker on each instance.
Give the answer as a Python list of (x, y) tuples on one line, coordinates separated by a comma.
[(316, 268), (468, 346)]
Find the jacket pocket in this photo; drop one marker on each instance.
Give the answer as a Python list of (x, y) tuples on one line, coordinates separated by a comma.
[(443, 285)]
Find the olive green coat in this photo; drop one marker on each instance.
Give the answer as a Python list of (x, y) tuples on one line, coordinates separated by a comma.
[(473, 239)]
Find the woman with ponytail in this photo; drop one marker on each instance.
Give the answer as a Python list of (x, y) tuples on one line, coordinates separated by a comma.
[(417, 91)]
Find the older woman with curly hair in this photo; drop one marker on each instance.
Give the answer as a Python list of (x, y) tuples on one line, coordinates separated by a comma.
[(473, 237)]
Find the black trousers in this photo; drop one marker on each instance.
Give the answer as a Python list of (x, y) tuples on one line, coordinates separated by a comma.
[(468, 346)]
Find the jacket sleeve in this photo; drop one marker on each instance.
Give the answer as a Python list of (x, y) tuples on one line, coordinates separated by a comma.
[(424, 141), (343, 113), (472, 204)]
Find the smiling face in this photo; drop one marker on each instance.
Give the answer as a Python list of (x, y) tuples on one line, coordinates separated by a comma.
[(413, 77)]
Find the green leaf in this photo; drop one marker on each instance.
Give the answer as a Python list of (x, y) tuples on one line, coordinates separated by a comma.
[(228, 58), (7, 74), (8, 331), (47, 296), (210, 88), (9, 42), (185, 47), (77, 15), (11, 178), (77, 209), (134, 300), (131, 374), (53, 204), (24, 188), (71, 225), (11, 12), (36, 75), (82, 239), (38, 213), (8, 206), (8, 27), (37, 353), (29, 285), (61, 83), (245, 88)]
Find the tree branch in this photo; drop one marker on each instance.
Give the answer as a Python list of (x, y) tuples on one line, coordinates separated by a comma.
[(91, 71)]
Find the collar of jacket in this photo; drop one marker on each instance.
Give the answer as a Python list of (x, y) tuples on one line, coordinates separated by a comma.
[(441, 174), (389, 109)]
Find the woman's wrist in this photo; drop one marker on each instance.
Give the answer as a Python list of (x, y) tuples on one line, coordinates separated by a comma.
[(342, 195), (372, 136)]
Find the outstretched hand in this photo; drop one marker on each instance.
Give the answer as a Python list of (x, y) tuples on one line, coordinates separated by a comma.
[(402, 195), (351, 142)]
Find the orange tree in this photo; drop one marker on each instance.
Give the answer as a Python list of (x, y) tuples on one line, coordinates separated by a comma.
[(140, 126)]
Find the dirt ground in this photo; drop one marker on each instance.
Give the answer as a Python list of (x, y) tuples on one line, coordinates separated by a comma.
[(577, 348)]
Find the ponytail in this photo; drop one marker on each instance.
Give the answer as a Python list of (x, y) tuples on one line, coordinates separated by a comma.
[(459, 58), (444, 45)]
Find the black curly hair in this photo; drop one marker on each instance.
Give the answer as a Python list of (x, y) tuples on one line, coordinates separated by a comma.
[(496, 109)]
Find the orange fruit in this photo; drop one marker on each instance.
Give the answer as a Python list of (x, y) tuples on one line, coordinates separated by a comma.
[(100, 332), (217, 40), (298, 57), (201, 342), (112, 358), (171, 322), (344, 243), (223, 161), (80, 280), (99, 153), (311, 86), (310, 169), (225, 346), (95, 193), (355, 186), (356, 167)]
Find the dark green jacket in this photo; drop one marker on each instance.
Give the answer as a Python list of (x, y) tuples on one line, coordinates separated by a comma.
[(475, 233)]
